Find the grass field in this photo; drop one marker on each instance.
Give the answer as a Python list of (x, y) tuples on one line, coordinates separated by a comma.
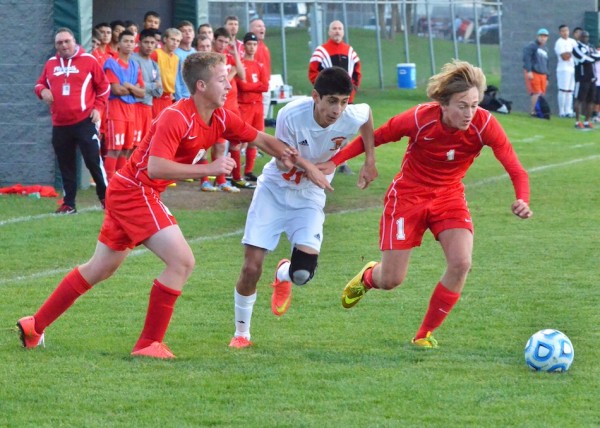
[(321, 365)]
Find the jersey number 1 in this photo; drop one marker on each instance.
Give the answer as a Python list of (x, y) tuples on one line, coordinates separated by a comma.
[(400, 236)]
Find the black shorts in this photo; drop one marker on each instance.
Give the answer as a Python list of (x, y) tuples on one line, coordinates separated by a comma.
[(585, 92)]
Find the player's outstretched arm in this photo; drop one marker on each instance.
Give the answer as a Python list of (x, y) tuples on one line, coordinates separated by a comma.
[(368, 172), (166, 169), (521, 209)]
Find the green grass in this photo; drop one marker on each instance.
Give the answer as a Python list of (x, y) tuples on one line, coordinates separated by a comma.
[(321, 365)]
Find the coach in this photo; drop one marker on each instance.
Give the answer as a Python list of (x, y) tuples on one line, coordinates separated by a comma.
[(76, 89)]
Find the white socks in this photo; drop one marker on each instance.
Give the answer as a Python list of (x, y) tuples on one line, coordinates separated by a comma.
[(243, 313), (283, 273)]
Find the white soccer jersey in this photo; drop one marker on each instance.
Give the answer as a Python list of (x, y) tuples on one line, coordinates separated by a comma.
[(297, 127), (561, 46)]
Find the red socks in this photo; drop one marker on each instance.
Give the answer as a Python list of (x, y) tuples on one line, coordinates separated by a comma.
[(441, 303), (69, 289), (250, 158), (160, 310), (368, 278), (110, 165), (236, 173)]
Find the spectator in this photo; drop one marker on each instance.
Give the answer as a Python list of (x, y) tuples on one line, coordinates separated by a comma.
[(126, 85), (116, 27), (225, 44), (286, 202), (263, 56), (535, 67), (335, 52), (136, 215), (232, 25), (585, 81), (183, 51), (207, 30), (168, 63), (152, 22), (565, 71), (101, 53), (250, 100), (96, 39), (152, 84), (133, 27), (203, 43), (75, 88)]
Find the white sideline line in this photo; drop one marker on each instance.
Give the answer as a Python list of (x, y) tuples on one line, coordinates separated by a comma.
[(40, 216), (141, 251), (137, 252)]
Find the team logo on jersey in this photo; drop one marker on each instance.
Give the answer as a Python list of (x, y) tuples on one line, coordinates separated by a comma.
[(59, 70), (318, 236), (199, 156), (303, 143), (337, 143)]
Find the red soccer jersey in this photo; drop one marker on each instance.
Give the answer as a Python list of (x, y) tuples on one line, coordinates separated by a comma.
[(232, 96), (250, 90), (263, 55), (180, 135), (440, 156)]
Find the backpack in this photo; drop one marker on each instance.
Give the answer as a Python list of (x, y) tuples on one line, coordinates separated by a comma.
[(491, 103), (542, 108)]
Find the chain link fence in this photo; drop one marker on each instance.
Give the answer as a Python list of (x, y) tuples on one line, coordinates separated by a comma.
[(425, 32)]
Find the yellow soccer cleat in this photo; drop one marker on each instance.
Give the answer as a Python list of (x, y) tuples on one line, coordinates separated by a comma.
[(427, 342), (355, 289)]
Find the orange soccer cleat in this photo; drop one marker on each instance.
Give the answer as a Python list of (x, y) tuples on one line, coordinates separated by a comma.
[(282, 293)]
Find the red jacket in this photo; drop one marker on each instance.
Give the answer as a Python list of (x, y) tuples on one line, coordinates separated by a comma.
[(340, 54), (78, 85)]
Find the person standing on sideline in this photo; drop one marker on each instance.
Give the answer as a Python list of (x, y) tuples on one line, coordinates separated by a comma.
[(102, 52), (535, 67), (225, 45), (152, 84), (335, 52), (135, 214), (206, 29), (585, 76), (565, 71), (250, 98), (263, 56), (445, 137), (75, 88), (232, 25), (286, 202), (168, 63), (126, 87), (184, 50)]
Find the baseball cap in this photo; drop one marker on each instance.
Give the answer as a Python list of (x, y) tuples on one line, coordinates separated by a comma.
[(543, 32), (250, 37)]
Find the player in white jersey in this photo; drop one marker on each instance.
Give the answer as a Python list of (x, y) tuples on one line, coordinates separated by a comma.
[(565, 72), (286, 202)]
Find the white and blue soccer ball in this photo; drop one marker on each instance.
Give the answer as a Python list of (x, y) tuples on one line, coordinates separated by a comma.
[(549, 350)]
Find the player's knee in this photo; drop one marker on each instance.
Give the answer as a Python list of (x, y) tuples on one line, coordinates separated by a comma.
[(302, 266)]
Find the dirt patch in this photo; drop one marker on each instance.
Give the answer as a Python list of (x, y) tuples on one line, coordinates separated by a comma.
[(188, 196)]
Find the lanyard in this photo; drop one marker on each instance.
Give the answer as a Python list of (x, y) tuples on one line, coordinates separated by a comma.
[(65, 70)]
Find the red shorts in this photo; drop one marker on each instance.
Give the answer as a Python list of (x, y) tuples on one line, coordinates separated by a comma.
[(133, 214), (159, 104), (537, 85), (410, 210), (119, 135), (143, 120), (253, 114)]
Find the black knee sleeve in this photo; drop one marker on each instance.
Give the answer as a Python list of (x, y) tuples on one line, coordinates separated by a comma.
[(302, 266)]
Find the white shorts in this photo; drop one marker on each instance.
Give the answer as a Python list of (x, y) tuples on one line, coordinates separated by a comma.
[(565, 80), (274, 210)]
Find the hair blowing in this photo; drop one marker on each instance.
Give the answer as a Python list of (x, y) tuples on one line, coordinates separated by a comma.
[(456, 76)]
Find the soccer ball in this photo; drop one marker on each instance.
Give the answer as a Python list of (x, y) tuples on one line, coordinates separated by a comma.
[(549, 351)]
